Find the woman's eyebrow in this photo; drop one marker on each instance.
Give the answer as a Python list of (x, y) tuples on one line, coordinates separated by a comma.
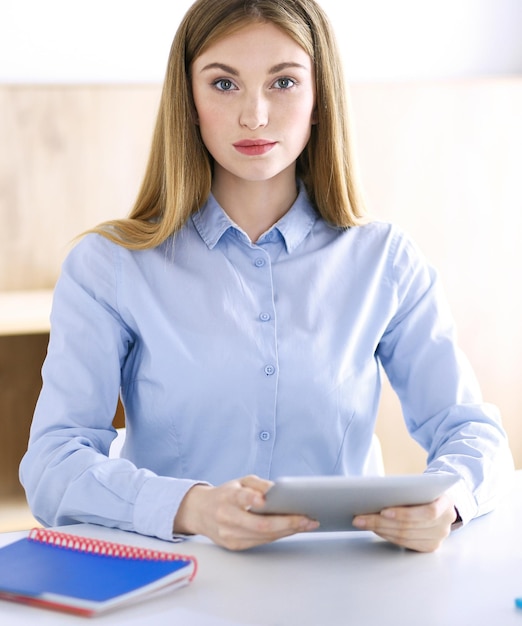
[(273, 70), (220, 66), (284, 66)]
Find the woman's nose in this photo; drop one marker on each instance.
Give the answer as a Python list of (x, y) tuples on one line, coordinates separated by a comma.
[(254, 113)]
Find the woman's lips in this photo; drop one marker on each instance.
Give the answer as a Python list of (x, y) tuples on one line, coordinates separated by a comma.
[(255, 147)]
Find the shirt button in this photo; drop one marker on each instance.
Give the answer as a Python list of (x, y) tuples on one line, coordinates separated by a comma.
[(264, 435), (265, 317), (259, 262), (269, 370)]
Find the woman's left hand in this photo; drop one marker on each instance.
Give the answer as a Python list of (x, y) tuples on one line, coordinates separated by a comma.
[(422, 528)]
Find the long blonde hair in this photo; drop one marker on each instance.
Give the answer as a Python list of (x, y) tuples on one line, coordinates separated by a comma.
[(178, 175)]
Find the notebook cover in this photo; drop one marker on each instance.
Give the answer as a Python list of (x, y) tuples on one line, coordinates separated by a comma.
[(82, 580)]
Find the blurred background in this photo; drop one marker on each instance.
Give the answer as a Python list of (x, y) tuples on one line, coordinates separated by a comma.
[(436, 98), (122, 41)]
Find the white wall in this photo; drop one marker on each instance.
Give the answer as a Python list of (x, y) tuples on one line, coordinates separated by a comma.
[(57, 41)]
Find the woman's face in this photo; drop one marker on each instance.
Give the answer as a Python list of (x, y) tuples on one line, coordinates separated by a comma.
[(254, 93)]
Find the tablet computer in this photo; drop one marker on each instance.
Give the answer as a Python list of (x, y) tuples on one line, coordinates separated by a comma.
[(335, 500)]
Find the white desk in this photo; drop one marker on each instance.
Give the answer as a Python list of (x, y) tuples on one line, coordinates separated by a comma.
[(331, 580)]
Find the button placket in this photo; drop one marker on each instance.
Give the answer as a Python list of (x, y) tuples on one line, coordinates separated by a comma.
[(267, 331)]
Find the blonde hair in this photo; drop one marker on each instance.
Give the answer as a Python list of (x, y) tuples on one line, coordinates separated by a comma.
[(178, 175)]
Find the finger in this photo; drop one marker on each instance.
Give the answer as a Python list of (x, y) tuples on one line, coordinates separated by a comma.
[(419, 539), (248, 498), (244, 517), (421, 532), (269, 530), (282, 525), (422, 514), (254, 482), (247, 530), (425, 515), (252, 491), (235, 513)]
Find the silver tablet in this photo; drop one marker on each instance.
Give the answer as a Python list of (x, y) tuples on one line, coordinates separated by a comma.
[(335, 500)]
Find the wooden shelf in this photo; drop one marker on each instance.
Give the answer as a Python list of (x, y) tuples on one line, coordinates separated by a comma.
[(16, 515), (25, 312)]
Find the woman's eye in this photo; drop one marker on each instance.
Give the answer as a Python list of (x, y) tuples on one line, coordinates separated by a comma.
[(224, 84), (284, 83)]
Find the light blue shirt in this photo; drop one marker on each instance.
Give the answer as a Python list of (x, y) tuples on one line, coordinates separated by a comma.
[(235, 357)]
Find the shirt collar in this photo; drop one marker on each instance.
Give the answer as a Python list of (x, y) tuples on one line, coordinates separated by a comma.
[(212, 222)]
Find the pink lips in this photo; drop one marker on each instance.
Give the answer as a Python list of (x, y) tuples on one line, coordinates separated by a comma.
[(254, 147)]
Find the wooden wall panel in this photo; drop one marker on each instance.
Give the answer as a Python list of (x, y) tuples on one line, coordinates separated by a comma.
[(70, 157)]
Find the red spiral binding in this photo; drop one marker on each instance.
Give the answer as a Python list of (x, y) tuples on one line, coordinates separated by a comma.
[(105, 548)]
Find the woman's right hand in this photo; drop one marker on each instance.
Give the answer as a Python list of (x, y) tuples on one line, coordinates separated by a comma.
[(224, 515)]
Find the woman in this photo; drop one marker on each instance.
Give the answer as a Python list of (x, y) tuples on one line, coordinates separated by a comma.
[(244, 310)]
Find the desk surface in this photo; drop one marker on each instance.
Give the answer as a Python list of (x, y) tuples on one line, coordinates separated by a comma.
[(25, 312), (331, 579)]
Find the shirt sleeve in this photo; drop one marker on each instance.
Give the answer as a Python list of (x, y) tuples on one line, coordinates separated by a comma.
[(66, 471), (439, 393)]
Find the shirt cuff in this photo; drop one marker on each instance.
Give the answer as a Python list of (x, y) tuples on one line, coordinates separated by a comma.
[(156, 506), (464, 504)]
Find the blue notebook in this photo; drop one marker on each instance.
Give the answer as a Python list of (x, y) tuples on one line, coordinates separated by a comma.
[(85, 576)]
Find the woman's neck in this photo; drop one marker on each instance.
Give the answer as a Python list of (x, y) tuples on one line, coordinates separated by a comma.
[(255, 206)]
